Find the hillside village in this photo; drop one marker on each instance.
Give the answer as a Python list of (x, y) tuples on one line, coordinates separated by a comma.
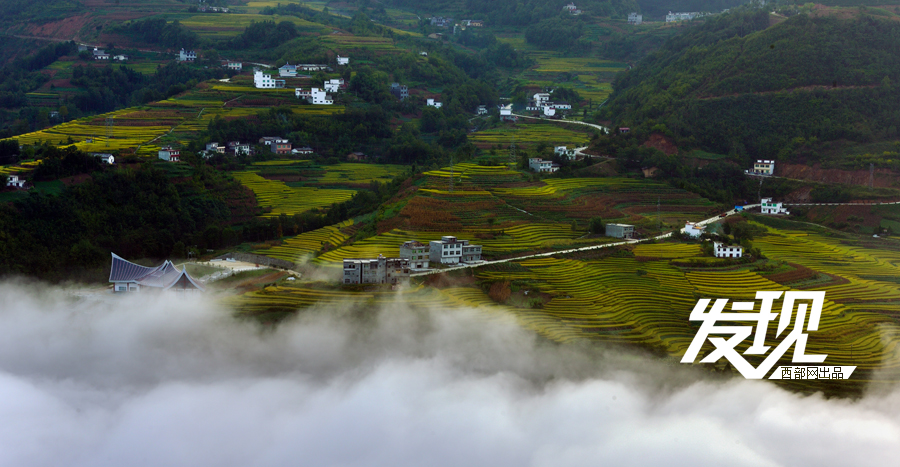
[(295, 161)]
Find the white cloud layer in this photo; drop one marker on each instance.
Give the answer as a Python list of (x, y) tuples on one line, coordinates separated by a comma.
[(162, 381)]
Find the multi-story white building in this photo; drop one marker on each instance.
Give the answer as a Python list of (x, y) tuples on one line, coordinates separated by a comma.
[(727, 251), (100, 54), (769, 207), (764, 167), (15, 182), (314, 96), (187, 56), (540, 165), (417, 253), (450, 250), (167, 153), (693, 230), (264, 81), (634, 18), (378, 270), (232, 65)]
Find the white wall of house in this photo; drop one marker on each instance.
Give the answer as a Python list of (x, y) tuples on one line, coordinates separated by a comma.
[(264, 81), (726, 251), (693, 230), (769, 207)]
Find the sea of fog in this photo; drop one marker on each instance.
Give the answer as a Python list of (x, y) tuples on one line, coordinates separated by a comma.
[(166, 380)]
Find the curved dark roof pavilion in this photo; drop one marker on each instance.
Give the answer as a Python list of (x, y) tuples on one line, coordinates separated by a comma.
[(129, 277)]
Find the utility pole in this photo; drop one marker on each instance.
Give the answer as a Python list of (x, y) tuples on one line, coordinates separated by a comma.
[(658, 217), (759, 191), (451, 173), (512, 154), (871, 176), (109, 129)]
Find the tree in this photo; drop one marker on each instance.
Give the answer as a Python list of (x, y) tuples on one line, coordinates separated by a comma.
[(596, 225), (500, 291), (574, 225)]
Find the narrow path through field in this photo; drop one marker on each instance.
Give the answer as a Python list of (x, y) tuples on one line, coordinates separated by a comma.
[(599, 127)]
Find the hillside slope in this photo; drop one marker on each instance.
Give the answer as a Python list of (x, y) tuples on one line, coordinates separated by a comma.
[(751, 84)]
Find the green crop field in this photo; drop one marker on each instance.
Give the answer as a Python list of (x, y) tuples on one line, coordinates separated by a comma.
[(551, 133)]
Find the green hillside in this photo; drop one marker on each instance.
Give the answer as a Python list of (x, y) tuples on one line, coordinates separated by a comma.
[(756, 84)]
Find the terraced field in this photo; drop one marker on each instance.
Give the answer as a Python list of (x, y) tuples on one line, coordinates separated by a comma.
[(305, 244), (290, 200), (641, 300)]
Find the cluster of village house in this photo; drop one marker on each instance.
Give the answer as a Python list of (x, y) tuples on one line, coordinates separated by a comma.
[(541, 102), (413, 256), (540, 165), (721, 250), (274, 144)]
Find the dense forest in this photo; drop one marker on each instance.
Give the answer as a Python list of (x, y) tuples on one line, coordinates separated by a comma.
[(735, 85)]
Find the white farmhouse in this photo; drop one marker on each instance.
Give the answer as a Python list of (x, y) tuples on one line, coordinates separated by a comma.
[(264, 81), (540, 165), (187, 56), (563, 151), (481, 110), (635, 19), (764, 167), (99, 54), (333, 85), (287, 71), (549, 111), (166, 153), (105, 158), (541, 98), (768, 207), (232, 65), (433, 103), (693, 230), (15, 182), (450, 250), (341, 61), (727, 251), (672, 17), (314, 96)]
